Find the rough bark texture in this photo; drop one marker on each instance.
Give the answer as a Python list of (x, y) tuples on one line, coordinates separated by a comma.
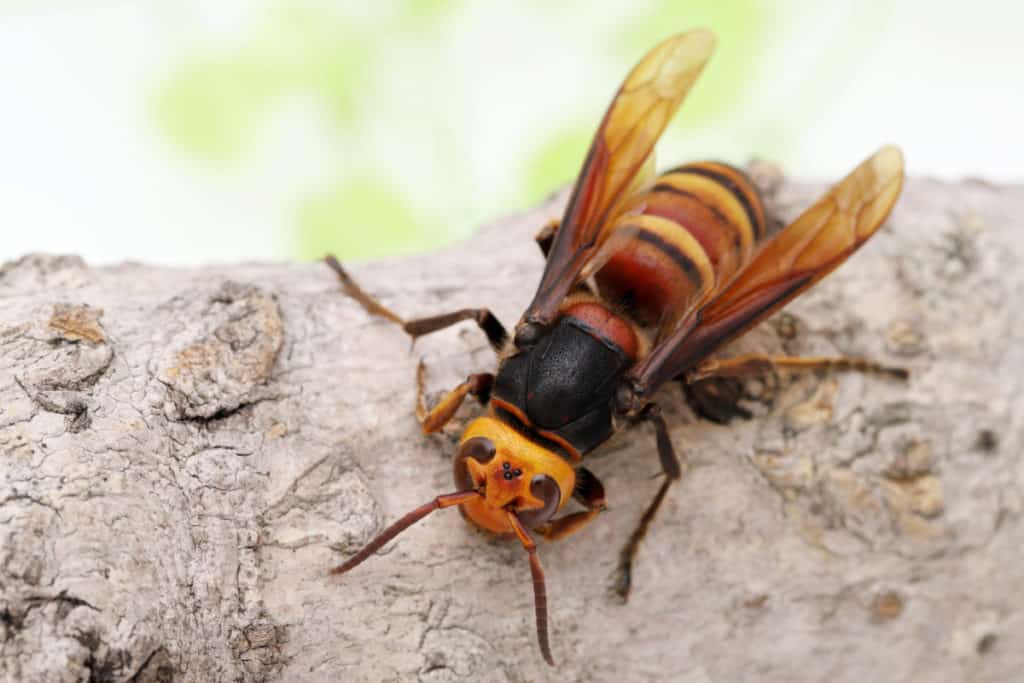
[(184, 453)]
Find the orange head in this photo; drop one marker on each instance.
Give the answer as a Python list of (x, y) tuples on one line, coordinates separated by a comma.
[(507, 484), (510, 472)]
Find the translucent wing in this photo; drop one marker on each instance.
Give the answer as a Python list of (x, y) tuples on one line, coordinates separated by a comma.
[(622, 147), (807, 250)]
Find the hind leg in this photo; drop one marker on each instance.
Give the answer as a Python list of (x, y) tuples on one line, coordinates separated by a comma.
[(714, 388), (753, 364), (673, 472)]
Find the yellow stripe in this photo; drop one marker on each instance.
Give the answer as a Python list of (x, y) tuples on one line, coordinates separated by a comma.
[(718, 197), (675, 236), (744, 185)]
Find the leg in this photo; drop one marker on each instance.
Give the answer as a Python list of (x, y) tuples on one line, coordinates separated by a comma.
[(546, 236), (590, 492), (754, 364), (715, 398), (491, 326), (670, 466), (433, 420)]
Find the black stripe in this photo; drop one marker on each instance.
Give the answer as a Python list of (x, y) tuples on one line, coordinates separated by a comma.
[(680, 259), (666, 187), (730, 185)]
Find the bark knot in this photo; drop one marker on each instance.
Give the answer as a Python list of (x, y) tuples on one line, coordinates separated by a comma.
[(223, 358)]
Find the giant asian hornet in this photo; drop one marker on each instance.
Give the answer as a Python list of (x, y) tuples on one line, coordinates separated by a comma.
[(647, 276)]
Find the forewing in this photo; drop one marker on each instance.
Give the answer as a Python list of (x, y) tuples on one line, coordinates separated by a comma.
[(622, 147), (807, 250)]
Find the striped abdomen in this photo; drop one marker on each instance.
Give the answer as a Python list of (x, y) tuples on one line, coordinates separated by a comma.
[(681, 240)]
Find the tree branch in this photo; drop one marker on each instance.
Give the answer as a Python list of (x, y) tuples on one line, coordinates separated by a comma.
[(185, 453)]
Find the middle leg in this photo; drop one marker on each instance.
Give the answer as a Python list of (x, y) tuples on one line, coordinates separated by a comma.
[(590, 492), (485, 320)]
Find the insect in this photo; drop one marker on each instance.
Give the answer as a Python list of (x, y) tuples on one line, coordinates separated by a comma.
[(647, 276)]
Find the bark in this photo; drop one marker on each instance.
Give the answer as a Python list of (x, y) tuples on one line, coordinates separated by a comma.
[(186, 452)]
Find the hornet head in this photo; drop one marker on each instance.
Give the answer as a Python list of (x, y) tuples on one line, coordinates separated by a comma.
[(506, 484)]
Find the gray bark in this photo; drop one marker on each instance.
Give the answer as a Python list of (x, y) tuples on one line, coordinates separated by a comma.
[(184, 453)]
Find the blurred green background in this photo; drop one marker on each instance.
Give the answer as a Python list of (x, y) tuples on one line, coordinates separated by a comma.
[(187, 132)]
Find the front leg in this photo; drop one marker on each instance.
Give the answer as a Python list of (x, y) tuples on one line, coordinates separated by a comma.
[(673, 472), (485, 320), (590, 493), (435, 418)]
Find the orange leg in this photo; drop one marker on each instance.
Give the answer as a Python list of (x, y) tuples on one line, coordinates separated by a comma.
[(435, 418), (752, 364), (590, 492)]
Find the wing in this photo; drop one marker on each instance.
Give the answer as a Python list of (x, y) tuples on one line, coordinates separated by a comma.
[(619, 157), (807, 250)]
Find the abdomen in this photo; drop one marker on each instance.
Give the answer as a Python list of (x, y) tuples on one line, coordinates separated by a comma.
[(682, 239)]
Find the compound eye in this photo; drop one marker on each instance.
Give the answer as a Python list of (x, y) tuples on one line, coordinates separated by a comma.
[(481, 449), (544, 488)]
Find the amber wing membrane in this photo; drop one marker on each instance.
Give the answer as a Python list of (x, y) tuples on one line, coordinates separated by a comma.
[(805, 251), (621, 151)]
